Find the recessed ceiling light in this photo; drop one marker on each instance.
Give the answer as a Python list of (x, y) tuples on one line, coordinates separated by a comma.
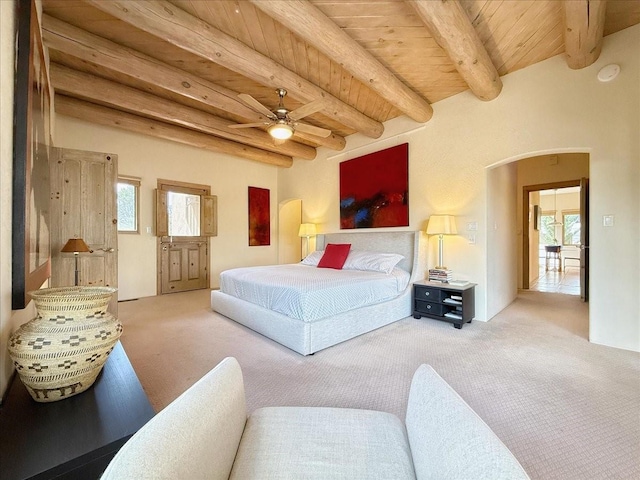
[(609, 72)]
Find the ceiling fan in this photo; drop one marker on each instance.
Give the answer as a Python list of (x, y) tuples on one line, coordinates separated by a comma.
[(282, 122)]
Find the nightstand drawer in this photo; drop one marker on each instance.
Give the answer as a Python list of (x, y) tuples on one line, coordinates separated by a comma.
[(429, 294), (431, 308)]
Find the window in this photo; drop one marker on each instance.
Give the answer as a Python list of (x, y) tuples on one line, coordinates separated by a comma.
[(547, 231), (128, 204), (184, 214), (571, 227), (185, 211)]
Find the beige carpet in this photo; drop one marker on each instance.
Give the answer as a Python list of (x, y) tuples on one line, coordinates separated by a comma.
[(566, 408)]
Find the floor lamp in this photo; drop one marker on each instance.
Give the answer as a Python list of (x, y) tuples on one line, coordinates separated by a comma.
[(307, 230), (75, 246), (441, 225)]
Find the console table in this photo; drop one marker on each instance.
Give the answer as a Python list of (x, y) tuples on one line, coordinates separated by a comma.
[(74, 438)]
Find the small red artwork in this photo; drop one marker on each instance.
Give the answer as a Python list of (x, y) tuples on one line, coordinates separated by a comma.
[(259, 217), (374, 189)]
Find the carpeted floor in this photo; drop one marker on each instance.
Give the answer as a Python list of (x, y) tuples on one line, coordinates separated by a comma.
[(566, 408)]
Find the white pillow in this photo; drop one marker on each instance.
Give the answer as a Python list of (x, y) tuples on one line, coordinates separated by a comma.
[(373, 261), (313, 258)]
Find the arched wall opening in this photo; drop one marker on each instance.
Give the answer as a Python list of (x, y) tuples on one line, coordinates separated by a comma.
[(507, 181)]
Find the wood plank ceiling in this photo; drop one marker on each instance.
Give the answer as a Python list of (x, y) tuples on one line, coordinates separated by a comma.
[(174, 69)]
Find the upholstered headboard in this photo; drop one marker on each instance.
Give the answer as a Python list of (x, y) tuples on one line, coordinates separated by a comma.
[(408, 244)]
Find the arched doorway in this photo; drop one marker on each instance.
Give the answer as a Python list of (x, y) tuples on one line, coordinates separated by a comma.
[(506, 212)]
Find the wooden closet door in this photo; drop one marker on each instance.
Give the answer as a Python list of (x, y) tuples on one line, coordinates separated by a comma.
[(83, 205)]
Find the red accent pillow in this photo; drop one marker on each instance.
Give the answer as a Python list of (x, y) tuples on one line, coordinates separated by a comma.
[(334, 255)]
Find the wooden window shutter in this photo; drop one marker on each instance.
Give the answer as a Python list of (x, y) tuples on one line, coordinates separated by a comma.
[(209, 216), (162, 216)]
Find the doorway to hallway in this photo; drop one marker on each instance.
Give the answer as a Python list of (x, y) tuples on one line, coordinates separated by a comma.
[(556, 236), (558, 224)]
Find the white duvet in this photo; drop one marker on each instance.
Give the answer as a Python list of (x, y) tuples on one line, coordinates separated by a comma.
[(308, 293)]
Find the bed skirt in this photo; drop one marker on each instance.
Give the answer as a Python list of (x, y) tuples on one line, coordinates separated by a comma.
[(310, 337)]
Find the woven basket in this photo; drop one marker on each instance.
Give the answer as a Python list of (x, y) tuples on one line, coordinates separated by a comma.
[(61, 352)]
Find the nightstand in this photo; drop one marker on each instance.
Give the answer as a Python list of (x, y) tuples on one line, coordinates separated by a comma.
[(443, 301)]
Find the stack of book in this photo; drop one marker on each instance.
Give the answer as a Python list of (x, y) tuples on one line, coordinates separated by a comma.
[(440, 275)]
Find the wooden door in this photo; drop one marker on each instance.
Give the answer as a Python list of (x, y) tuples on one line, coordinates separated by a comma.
[(183, 260), (584, 239), (83, 205), (183, 265)]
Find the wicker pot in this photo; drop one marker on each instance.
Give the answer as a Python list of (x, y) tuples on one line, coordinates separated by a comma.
[(61, 352)]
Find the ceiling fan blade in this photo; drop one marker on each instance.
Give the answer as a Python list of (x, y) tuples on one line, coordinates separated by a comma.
[(278, 141), (255, 104), (307, 109), (317, 131), (248, 125)]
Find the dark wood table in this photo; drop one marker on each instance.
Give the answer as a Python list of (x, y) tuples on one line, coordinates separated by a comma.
[(73, 438)]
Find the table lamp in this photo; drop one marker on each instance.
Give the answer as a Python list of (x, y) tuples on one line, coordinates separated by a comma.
[(75, 246), (307, 230), (441, 225)]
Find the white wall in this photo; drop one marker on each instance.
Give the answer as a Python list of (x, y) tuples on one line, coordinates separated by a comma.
[(545, 108), (502, 238), (149, 158)]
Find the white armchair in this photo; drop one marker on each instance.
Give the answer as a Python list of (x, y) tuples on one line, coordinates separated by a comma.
[(205, 434)]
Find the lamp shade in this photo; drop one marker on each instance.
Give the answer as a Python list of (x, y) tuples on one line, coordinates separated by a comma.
[(442, 225), (75, 245), (307, 230)]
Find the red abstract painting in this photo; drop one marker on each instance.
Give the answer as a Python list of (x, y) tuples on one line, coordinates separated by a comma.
[(374, 189), (259, 221)]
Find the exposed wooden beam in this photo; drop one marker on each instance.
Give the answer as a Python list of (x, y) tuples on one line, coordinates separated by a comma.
[(78, 43), (306, 21), (114, 118), (451, 28), (105, 92), (333, 141), (70, 40), (583, 31), (164, 20)]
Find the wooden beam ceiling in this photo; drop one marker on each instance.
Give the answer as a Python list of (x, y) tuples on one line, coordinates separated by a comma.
[(70, 40), (450, 26), (174, 68), (65, 38), (93, 113), (164, 20), (114, 95), (583, 31), (305, 20)]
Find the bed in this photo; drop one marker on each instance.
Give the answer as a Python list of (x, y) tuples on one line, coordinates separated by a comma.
[(307, 330)]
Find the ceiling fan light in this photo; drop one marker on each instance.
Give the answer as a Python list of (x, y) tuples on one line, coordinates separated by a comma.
[(281, 131)]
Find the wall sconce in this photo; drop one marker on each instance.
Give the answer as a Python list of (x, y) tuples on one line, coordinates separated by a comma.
[(75, 246), (307, 230), (441, 225)]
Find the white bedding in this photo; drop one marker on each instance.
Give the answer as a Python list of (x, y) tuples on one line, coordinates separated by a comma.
[(308, 293)]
